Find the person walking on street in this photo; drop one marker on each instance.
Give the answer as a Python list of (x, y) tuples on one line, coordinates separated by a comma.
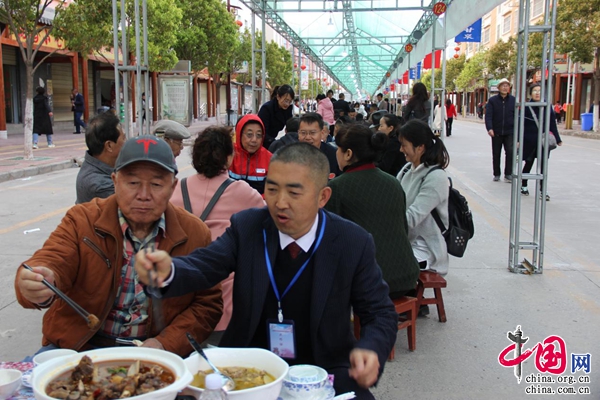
[(499, 123), (42, 123), (450, 115), (77, 106), (557, 110)]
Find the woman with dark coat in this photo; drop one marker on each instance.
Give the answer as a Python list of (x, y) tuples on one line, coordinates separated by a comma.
[(392, 159), (42, 124), (275, 112), (419, 105), (530, 136)]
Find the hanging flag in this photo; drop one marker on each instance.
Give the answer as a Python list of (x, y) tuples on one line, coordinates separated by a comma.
[(415, 73), (405, 78), (471, 34), (427, 60)]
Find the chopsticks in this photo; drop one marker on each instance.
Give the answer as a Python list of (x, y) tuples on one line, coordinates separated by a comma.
[(154, 291), (91, 319)]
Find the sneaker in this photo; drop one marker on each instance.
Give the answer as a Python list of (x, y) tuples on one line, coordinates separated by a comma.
[(507, 178), (547, 196), (51, 145), (35, 146), (496, 178), (524, 191)]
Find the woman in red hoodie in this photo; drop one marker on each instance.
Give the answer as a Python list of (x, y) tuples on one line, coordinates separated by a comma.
[(251, 159)]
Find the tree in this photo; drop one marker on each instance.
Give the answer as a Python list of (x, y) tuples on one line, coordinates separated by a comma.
[(453, 68), (207, 36), (23, 20), (86, 26), (578, 34), (472, 75), (501, 59), (279, 65)]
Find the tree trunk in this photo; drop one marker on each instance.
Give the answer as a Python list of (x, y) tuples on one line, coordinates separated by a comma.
[(28, 119), (596, 100)]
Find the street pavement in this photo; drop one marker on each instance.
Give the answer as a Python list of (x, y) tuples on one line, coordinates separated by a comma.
[(453, 360)]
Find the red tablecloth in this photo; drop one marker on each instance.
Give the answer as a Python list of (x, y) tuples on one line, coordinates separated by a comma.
[(24, 393)]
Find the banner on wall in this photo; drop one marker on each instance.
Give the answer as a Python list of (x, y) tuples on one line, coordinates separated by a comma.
[(415, 73), (471, 34), (304, 80)]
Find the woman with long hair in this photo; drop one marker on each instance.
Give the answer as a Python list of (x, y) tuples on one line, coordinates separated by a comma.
[(374, 200), (392, 159), (425, 183), (212, 154), (419, 105), (450, 115), (275, 112)]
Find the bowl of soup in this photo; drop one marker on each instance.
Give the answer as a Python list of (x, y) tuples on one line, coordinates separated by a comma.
[(258, 373), (136, 373)]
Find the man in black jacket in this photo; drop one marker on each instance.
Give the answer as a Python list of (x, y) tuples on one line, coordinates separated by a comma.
[(291, 135), (499, 122), (310, 131)]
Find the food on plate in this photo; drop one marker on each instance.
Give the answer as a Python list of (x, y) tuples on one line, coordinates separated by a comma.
[(244, 378), (109, 380)]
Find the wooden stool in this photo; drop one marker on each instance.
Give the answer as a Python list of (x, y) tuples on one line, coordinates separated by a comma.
[(402, 305), (432, 280)]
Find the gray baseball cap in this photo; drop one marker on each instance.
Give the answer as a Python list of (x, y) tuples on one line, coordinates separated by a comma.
[(147, 148), (171, 129)]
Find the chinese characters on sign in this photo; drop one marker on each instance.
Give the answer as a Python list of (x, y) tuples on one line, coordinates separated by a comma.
[(471, 34), (550, 358)]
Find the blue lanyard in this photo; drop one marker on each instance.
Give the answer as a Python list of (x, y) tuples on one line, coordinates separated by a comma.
[(300, 271)]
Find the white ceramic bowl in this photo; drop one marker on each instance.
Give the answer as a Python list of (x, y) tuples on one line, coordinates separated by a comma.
[(49, 370), (242, 357), (305, 382), (10, 380), (51, 354)]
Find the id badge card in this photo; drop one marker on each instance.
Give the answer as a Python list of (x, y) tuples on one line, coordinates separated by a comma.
[(282, 338)]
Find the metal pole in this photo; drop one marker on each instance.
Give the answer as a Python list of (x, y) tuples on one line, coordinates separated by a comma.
[(299, 73), (254, 100), (443, 95), (432, 96), (148, 122), (138, 69), (265, 94), (125, 63), (116, 52)]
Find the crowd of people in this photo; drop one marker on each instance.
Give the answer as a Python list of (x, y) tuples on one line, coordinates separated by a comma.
[(291, 220)]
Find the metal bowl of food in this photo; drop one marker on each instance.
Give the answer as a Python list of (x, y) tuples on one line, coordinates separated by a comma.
[(136, 373), (258, 373)]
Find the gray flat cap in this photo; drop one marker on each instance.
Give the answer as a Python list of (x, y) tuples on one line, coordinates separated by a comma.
[(171, 129)]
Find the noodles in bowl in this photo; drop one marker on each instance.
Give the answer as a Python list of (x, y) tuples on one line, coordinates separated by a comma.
[(243, 361), (244, 378)]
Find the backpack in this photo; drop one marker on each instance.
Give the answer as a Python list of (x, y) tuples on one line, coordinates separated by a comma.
[(461, 227)]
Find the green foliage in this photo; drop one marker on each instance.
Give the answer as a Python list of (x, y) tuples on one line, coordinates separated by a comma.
[(315, 86), (501, 59), (578, 29), (86, 26), (207, 36), (454, 67), (472, 75)]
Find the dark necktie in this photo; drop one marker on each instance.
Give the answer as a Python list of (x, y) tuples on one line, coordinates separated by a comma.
[(293, 249)]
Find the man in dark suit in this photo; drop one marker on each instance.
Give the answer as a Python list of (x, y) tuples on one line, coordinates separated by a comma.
[(302, 263)]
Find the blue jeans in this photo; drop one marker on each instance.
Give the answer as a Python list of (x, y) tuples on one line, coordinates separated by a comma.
[(43, 349), (37, 135), (78, 121)]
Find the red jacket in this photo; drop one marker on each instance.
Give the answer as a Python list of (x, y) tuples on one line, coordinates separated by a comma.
[(451, 111), (251, 168)]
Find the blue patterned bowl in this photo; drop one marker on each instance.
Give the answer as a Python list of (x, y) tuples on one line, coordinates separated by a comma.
[(305, 382)]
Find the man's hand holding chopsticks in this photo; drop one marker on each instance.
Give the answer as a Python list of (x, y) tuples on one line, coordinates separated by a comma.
[(31, 286), (147, 261)]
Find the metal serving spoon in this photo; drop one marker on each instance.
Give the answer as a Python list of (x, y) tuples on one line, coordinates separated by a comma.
[(228, 383)]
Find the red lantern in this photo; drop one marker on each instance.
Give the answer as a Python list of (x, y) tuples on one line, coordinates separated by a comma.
[(457, 48), (303, 67), (295, 66), (439, 8), (324, 79), (239, 23), (408, 48), (393, 87), (388, 75), (456, 56)]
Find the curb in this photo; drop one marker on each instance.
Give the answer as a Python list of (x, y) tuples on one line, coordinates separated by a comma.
[(37, 170)]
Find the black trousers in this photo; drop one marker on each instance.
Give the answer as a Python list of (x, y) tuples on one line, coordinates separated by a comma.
[(449, 126), (498, 142), (529, 166)]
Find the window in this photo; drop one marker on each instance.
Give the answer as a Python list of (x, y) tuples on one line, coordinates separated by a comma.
[(506, 24), (498, 32), (486, 35), (537, 8)]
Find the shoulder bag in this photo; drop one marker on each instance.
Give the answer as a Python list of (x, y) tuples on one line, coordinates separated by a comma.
[(552, 144), (188, 205)]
